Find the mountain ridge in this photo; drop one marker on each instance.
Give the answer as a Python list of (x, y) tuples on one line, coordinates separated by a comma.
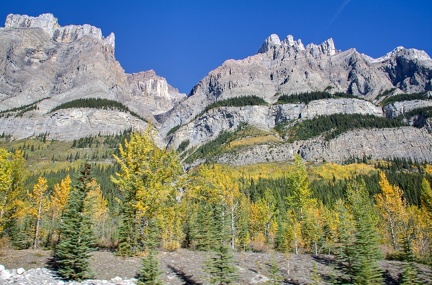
[(43, 65)]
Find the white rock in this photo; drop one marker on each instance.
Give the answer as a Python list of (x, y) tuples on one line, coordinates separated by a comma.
[(20, 271), (5, 275)]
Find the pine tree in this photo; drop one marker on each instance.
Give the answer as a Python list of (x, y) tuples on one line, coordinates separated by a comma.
[(366, 246), (71, 255), (219, 266), (150, 272)]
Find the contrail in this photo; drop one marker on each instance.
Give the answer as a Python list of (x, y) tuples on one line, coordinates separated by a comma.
[(341, 8)]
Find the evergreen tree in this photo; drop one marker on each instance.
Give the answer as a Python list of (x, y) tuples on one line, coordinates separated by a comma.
[(274, 270), (219, 266), (150, 272), (71, 255), (366, 246)]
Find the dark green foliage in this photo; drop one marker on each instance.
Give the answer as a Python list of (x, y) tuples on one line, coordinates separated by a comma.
[(220, 265), (183, 145), (404, 97), (336, 124), (217, 145), (419, 115), (366, 246), (71, 255), (97, 103), (252, 100), (173, 130), (310, 96), (150, 272), (22, 109)]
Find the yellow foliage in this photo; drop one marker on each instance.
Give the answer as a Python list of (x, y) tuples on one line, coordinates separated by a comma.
[(330, 171), (59, 196), (253, 141), (392, 209)]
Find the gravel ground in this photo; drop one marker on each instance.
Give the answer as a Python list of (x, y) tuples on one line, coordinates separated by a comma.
[(186, 267)]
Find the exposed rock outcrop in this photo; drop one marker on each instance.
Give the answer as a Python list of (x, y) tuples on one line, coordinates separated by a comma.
[(287, 67), (208, 126), (406, 142)]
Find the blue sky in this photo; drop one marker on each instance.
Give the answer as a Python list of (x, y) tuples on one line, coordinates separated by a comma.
[(183, 40)]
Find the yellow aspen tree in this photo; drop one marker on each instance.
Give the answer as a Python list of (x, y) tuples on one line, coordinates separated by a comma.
[(426, 196), (392, 209), (38, 204), (59, 196), (299, 202), (12, 176), (99, 213), (314, 225), (147, 177), (170, 220), (420, 230), (5, 182), (217, 187)]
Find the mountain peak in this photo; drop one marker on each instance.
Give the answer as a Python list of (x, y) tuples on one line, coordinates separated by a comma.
[(272, 41), (410, 53), (326, 48), (46, 22), (49, 24)]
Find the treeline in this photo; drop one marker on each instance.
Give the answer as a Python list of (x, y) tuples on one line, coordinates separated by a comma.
[(333, 125), (310, 96), (404, 97), (97, 103), (22, 109), (251, 100)]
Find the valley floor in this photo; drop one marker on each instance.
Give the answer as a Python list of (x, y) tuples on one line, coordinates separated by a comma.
[(186, 267)]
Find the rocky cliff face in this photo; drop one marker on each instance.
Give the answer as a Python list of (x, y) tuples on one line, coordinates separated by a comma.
[(45, 64), (287, 67), (406, 142)]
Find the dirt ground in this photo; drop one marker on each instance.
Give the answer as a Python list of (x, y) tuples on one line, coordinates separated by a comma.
[(186, 267)]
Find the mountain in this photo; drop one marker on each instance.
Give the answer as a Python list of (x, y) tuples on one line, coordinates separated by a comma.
[(44, 65), (66, 83)]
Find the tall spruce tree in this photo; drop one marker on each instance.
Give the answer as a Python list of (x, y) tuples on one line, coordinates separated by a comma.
[(220, 266), (366, 246), (71, 255)]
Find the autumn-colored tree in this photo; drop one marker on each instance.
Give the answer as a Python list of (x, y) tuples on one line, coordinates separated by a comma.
[(392, 209), (58, 200), (13, 217), (426, 196), (263, 219), (301, 205), (38, 204), (99, 213), (147, 178)]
